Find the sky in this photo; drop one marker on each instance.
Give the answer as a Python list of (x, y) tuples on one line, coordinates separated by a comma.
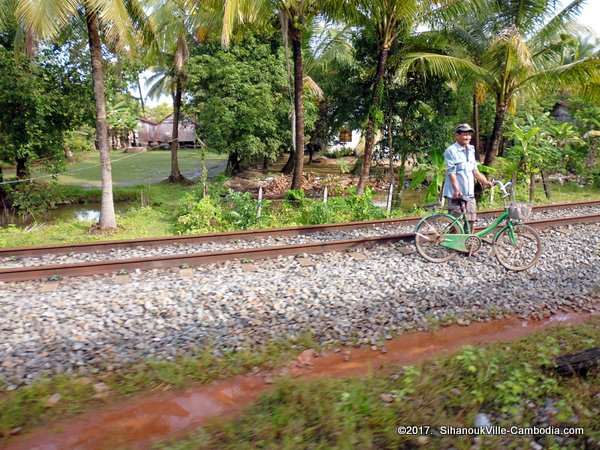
[(590, 15)]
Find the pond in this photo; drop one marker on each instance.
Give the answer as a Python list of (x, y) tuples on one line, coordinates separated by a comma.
[(88, 212)]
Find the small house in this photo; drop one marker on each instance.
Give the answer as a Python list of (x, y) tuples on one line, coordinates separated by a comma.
[(159, 134)]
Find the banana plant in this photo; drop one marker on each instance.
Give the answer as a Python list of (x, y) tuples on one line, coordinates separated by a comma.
[(432, 170)]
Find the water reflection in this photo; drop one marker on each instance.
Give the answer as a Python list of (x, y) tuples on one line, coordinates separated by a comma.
[(87, 215), (81, 213)]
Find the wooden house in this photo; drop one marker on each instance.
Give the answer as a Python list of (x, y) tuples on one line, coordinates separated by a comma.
[(159, 134)]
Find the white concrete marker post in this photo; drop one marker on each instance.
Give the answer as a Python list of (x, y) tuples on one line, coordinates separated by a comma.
[(388, 206), (259, 210)]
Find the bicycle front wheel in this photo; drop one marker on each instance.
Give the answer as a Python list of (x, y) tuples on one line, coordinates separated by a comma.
[(519, 248), (430, 234)]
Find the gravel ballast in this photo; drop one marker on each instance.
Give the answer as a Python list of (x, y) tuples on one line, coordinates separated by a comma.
[(101, 323), (271, 241)]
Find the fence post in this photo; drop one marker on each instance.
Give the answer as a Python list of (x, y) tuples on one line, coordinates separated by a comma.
[(388, 205), (259, 210), (325, 195)]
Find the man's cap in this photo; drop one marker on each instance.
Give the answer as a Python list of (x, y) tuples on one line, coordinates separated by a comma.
[(463, 127)]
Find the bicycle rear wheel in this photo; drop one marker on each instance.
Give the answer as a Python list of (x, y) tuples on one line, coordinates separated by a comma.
[(429, 235), (523, 252)]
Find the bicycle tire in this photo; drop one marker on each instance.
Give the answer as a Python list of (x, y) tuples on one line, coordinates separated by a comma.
[(429, 234), (524, 254)]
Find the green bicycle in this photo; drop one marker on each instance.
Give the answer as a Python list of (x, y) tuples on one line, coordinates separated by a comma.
[(440, 236)]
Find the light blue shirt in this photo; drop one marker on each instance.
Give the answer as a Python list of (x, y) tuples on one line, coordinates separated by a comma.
[(461, 162)]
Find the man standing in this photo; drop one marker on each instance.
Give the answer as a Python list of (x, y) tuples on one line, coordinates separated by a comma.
[(461, 171)]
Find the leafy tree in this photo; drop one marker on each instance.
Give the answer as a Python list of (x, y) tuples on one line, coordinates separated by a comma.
[(238, 99), (295, 17), (534, 151), (522, 55), (384, 19), (178, 23), (117, 19), (34, 113)]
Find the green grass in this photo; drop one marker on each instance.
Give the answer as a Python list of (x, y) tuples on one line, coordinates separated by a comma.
[(507, 382), (150, 221), (130, 169), (27, 406)]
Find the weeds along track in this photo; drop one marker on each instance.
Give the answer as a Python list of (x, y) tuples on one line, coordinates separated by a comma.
[(28, 263)]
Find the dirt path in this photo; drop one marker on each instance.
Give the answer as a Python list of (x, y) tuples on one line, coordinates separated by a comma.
[(138, 421)]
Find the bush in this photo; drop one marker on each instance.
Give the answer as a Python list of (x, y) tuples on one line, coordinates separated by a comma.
[(295, 197), (317, 212), (361, 207), (33, 198), (241, 214), (198, 215), (596, 177)]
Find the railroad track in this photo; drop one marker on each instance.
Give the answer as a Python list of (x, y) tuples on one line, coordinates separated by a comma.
[(104, 246), (165, 262)]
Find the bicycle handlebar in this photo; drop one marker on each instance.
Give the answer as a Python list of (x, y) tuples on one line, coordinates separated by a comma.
[(503, 186)]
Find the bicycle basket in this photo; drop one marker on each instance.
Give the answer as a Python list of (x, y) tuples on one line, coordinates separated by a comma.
[(519, 211)]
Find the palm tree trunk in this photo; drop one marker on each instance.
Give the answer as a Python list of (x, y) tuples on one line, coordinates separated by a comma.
[(494, 144), (476, 126), (298, 107), (107, 209), (176, 176), (370, 132), (289, 165), (390, 140)]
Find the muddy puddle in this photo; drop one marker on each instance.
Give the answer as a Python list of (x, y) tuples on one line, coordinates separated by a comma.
[(137, 422)]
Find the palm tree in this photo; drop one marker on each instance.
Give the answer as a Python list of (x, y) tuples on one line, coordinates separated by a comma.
[(117, 19), (386, 18), (294, 17), (178, 22), (523, 55)]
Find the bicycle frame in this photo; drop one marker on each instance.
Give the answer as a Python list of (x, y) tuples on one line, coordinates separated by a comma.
[(457, 241)]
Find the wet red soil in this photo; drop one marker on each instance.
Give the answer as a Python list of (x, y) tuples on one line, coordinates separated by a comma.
[(139, 421)]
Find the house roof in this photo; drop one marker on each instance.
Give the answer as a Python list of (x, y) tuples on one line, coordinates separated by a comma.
[(143, 119)]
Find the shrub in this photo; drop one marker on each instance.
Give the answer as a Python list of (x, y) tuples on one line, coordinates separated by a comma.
[(317, 212), (241, 215), (295, 197), (361, 207), (33, 198), (198, 215)]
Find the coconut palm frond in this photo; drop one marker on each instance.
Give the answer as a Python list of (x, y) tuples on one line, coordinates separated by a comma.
[(45, 17), (441, 65), (114, 19), (582, 77), (558, 24), (7, 13), (444, 12), (330, 45), (470, 40), (312, 86)]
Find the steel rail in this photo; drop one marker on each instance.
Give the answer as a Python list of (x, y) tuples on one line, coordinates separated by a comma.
[(165, 262), (87, 247)]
